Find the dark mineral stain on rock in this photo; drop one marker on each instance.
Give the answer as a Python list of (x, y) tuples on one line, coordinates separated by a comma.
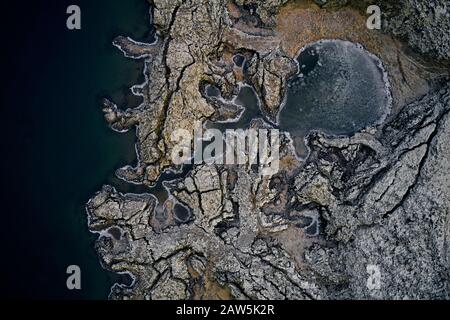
[(238, 60), (339, 89), (312, 229), (181, 213)]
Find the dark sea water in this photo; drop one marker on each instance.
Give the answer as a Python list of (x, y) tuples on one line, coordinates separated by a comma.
[(57, 150)]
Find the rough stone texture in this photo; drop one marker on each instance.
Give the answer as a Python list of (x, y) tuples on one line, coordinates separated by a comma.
[(392, 211), (377, 199), (424, 24)]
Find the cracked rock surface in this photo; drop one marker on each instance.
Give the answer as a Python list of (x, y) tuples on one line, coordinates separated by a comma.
[(373, 204)]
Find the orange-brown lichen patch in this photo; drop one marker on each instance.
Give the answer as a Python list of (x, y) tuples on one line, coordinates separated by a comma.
[(233, 10), (238, 73), (289, 163), (215, 291), (205, 287)]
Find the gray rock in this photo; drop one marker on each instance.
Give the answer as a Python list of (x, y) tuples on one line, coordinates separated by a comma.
[(365, 216)]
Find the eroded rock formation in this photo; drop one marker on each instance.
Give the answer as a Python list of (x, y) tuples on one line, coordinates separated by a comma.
[(379, 198)]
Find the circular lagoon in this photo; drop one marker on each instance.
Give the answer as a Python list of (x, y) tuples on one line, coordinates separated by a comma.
[(340, 88)]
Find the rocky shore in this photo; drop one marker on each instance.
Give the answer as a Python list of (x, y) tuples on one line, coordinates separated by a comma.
[(379, 198)]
